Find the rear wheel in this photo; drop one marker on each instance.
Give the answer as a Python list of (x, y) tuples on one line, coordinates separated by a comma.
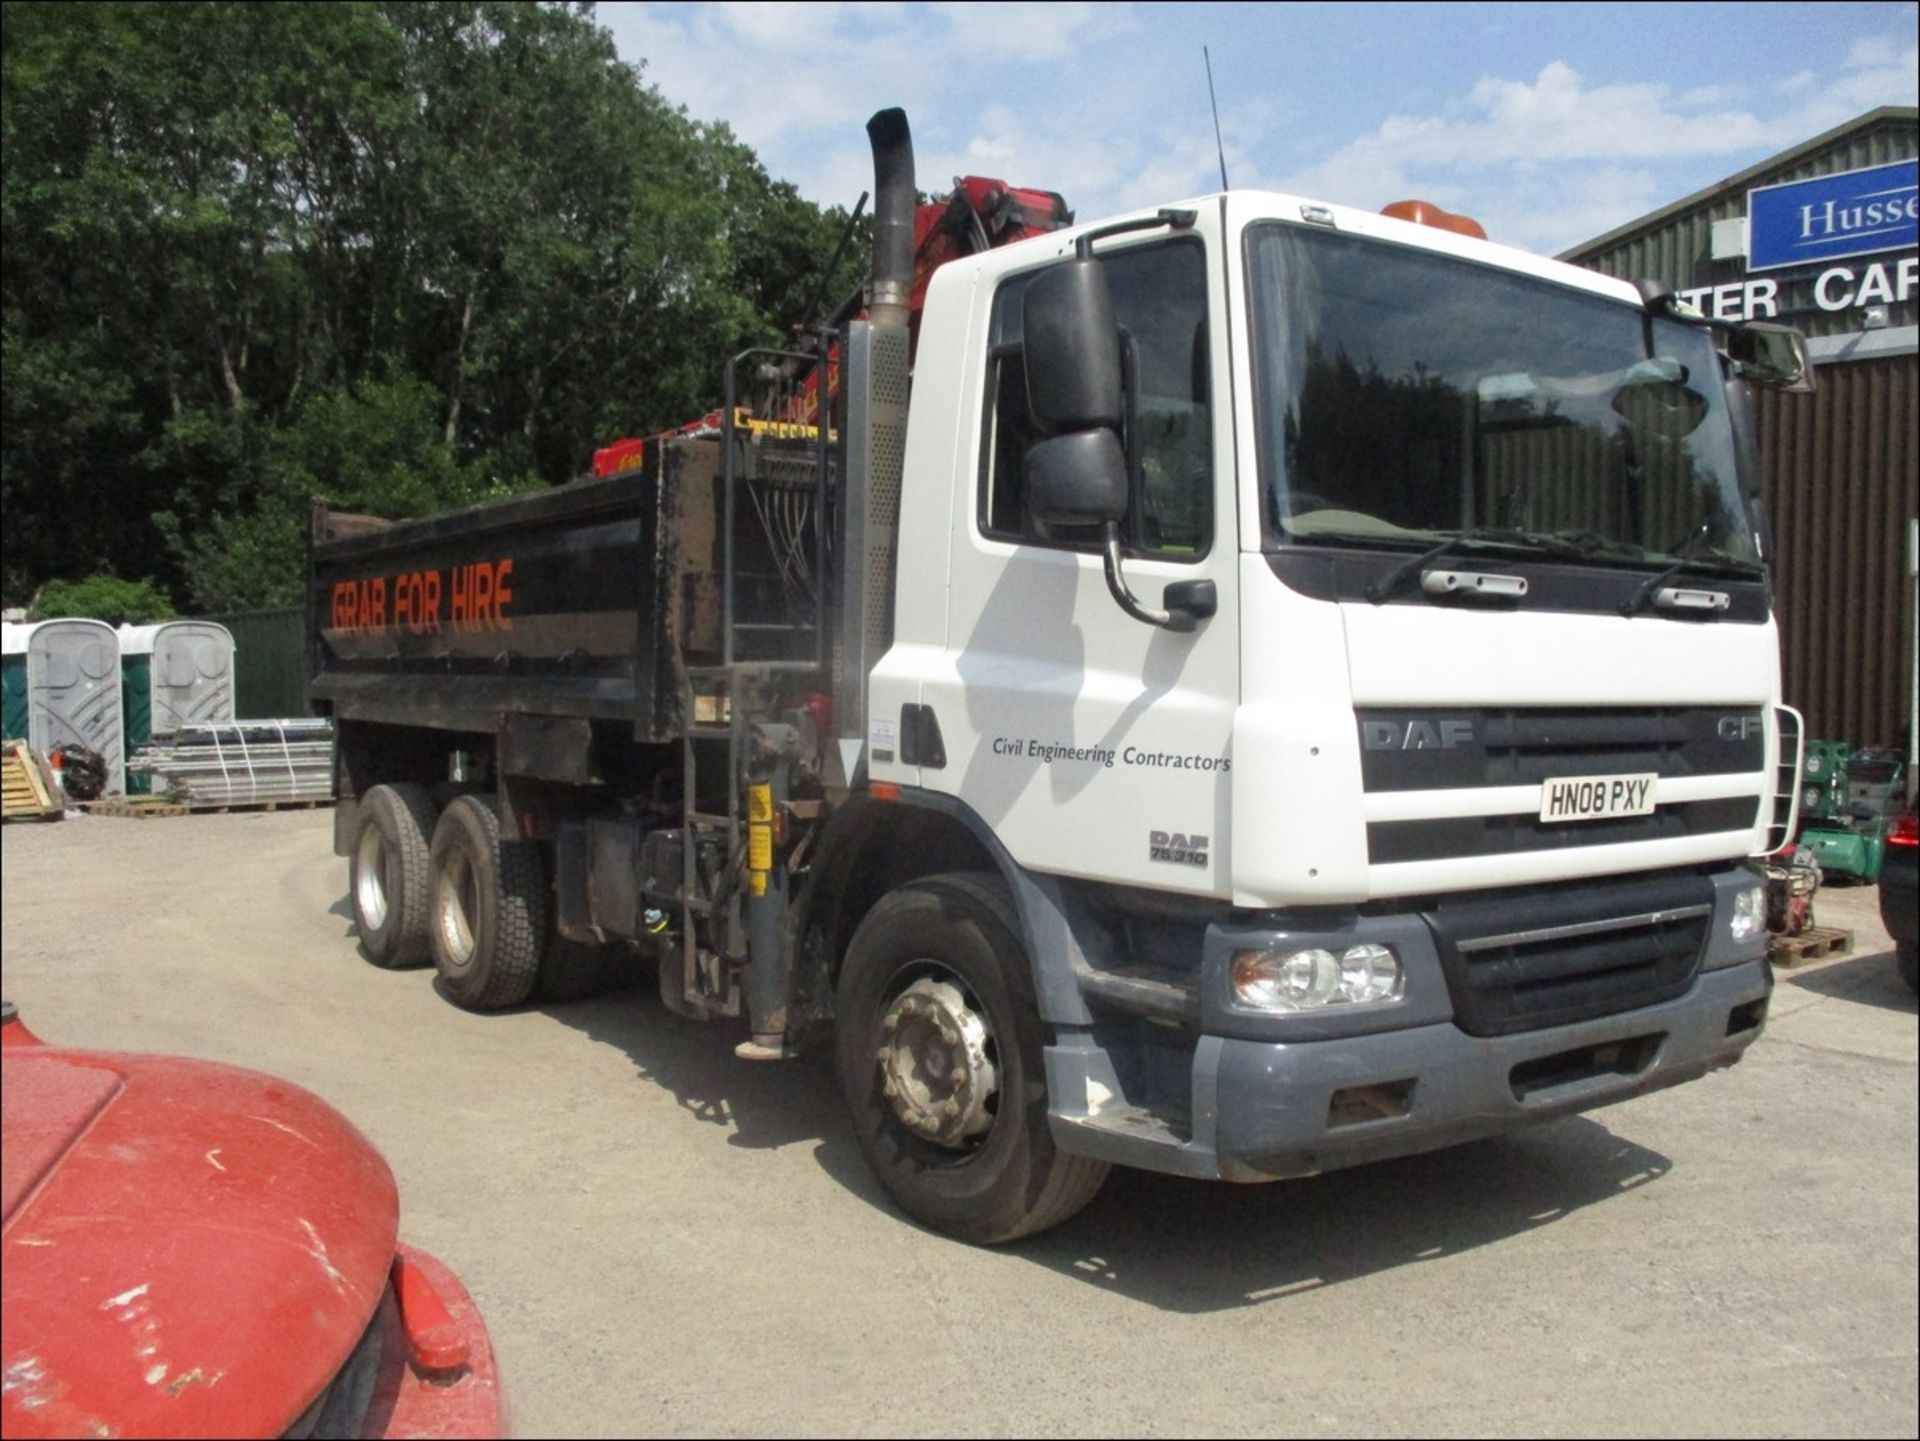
[(389, 874), (940, 1052), (488, 920)]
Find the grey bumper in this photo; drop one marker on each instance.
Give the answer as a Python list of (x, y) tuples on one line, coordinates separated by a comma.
[(1264, 1109)]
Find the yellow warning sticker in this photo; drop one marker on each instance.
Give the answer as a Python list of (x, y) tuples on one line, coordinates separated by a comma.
[(760, 847), (757, 883), (760, 803)]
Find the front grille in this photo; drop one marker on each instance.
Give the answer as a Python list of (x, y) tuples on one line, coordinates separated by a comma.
[(1418, 749), (1570, 953), (1450, 837)]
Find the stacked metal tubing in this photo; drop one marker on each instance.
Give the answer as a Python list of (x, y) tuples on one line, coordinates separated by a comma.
[(242, 763)]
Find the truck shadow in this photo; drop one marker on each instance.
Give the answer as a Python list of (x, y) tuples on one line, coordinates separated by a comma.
[(1174, 1244), (761, 1106), (1199, 1246)]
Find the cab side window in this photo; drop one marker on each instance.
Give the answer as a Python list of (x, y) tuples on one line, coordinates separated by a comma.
[(1160, 300)]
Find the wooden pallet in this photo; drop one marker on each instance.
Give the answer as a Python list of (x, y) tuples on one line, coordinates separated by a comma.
[(28, 793), (1816, 943), (148, 807)]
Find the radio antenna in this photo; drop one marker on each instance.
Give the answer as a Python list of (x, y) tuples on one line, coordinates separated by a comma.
[(1216, 119)]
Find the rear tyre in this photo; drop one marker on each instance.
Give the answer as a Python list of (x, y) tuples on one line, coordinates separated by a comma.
[(488, 912), (389, 875), (939, 1046)]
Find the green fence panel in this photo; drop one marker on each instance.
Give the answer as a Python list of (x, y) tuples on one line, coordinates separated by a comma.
[(269, 662)]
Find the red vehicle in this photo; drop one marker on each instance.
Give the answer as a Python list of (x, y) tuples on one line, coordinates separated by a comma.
[(191, 1249)]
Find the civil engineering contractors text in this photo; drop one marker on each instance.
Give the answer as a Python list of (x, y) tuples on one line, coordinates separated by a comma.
[(1048, 752)]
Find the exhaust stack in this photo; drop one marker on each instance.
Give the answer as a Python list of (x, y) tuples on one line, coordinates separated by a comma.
[(891, 288)]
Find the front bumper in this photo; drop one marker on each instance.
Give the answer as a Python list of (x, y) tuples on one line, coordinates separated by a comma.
[(1264, 1110), (1294, 1110)]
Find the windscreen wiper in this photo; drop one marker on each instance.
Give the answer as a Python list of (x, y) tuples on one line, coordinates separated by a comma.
[(1711, 559), (1387, 584)]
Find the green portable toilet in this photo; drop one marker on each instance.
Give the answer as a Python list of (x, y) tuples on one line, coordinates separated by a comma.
[(136, 696), (13, 680)]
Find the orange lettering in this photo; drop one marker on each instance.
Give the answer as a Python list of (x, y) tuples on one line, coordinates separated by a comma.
[(483, 594), (430, 603), (403, 585), (503, 597)]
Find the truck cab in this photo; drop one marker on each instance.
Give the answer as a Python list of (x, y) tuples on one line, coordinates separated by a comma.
[(1442, 812)]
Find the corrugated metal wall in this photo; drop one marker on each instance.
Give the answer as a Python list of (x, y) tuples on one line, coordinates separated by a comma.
[(1841, 487), (270, 662)]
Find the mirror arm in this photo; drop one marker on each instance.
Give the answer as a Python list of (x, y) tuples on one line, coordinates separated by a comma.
[(1174, 620)]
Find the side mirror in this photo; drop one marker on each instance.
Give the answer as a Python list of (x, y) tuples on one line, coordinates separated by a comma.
[(1077, 479), (1072, 346), (1774, 356)]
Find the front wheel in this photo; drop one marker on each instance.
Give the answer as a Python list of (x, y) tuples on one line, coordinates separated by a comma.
[(940, 1052), (488, 916)]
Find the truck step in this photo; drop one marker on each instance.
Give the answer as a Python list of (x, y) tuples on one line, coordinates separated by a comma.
[(1816, 943)]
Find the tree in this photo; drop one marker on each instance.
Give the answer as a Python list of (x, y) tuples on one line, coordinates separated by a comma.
[(103, 597), (401, 253)]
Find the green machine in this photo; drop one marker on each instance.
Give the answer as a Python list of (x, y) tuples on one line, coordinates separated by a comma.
[(1847, 804)]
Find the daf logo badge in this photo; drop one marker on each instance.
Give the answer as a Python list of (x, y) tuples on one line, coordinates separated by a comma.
[(1739, 727), (1416, 735)]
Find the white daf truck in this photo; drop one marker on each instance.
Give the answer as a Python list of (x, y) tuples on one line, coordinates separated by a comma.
[(1239, 690)]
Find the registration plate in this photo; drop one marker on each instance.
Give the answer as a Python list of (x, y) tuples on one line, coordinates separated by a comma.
[(1596, 798)]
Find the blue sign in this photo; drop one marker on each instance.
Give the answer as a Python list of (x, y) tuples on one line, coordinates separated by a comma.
[(1806, 222)]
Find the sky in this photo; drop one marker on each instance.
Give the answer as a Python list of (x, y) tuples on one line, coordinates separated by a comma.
[(1549, 123)]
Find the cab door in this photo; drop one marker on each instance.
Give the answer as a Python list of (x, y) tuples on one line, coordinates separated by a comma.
[(1093, 744)]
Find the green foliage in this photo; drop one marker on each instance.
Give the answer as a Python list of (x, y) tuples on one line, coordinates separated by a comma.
[(103, 597), (402, 254)]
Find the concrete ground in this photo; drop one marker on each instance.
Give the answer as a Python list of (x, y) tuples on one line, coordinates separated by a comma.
[(666, 1240)]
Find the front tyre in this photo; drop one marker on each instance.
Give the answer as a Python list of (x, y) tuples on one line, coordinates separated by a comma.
[(939, 1045), (488, 918), (389, 874)]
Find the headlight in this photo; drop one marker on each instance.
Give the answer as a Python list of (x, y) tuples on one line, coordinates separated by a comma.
[(1309, 979), (1749, 913)]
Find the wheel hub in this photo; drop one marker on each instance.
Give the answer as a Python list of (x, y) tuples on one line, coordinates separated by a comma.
[(457, 911), (936, 1064), (370, 877)]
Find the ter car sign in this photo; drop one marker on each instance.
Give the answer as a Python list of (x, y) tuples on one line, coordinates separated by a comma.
[(1857, 212)]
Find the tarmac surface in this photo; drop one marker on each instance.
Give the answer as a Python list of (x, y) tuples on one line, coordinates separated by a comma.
[(668, 1241)]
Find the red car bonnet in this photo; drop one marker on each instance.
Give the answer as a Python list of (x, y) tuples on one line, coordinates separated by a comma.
[(188, 1249)]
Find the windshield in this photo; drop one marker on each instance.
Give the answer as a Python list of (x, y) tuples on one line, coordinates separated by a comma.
[(1405, 398)]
